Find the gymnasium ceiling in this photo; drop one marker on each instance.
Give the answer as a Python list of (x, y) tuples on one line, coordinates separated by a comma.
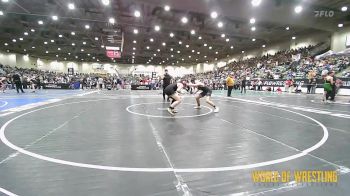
[(54, 40)]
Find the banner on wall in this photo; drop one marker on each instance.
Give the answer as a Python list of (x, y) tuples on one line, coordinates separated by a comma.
[(113, 54), (347, 42), (56, 86), (71, 71), (154, 74), (302, 82)]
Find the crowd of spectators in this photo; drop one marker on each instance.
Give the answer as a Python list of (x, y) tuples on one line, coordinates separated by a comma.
[(286, 65)]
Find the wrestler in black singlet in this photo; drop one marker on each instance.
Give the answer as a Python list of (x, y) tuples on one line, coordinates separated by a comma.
[(205, 91), (170, 89)]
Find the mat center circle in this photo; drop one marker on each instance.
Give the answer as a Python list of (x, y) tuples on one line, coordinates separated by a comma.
[(159, 110)]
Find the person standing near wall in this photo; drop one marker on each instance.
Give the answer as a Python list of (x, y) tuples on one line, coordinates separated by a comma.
[(229, 83)]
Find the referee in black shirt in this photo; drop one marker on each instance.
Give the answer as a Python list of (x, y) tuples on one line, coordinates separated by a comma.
[(166, 81), (16, 78)]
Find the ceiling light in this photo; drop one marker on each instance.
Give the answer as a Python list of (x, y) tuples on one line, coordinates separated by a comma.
[(45, 43), (256, 3), (205, 56), (214, 15), (84, 43), (60, 35), (287, 28), (223, 35), (154, 54), (136, 31), (253, 28), (205, 45), (87, 26), (242, 51), (52, 41), (73, 44), (105, 2), (164, 44), (25, 33), (47, 52), (167, 8), (134, 41), (253, 39), (199, 37), (134, 48), (252, 21), (147, 47), (298, 9), (187, 46), (220, 24), (157, 28), (102, 46), (6, 44), (193, 32), (40, 22), (1, 13), (227, 40), (182, 59), (25, 50), (231, 47), (111, 20), (293, 37), (33, 47), (180, 42), (184, 20), (133, 53), (96, 38), (58, 48), (263, 46), (171, 34), (198, 52), (14, 40), (82, 50), (158, 50), (54, 17), (72, 33), (151, 40), (192, 50), (21, 39), (71, 6), (210, 47), (340, 25), (178, 52), (216, 52), (344, 9), (32, 30), (172, 55), (56, 55), (189, 57), (171, 49), (137, 13)]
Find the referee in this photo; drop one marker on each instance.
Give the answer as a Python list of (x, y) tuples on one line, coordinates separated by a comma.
[(166, 82)]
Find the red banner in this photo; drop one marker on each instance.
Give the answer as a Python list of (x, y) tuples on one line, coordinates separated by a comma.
[(113, 54)]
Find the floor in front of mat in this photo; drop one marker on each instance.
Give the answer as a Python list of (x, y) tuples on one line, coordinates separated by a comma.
[(125, 143)]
